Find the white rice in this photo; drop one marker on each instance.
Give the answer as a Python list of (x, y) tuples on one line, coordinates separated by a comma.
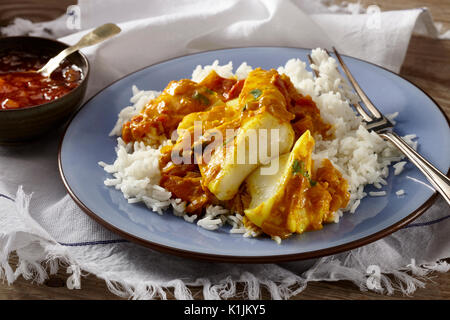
[(391, 117), (277, 239), (377, 193), (398, 167), (139, 100), (215, 217), (409, 140), (355, 206), (400, 192), (361, 156)]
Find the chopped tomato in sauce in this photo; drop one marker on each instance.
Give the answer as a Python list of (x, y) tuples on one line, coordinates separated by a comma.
[(21, 87)]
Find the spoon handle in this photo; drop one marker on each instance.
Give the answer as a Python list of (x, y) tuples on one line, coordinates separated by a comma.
[(95, 36)]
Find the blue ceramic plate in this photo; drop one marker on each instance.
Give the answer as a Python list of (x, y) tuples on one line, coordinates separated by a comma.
[(86, 142)]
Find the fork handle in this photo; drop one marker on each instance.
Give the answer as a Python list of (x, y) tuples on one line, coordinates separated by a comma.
[(439, 181)]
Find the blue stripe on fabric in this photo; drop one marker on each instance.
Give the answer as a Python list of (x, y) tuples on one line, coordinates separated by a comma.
[(411, 225), (77, 244), (6, 197), (423, 224), (90, 243)]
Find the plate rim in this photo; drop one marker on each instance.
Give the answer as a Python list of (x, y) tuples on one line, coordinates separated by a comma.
[(245, 259)]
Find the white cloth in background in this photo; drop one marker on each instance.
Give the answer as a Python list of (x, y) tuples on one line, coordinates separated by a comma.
[(41, 223)]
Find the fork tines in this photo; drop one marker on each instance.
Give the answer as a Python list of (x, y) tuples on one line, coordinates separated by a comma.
[(371, 115)]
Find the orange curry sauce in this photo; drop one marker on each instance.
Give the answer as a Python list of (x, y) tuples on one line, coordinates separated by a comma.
[(323, 194)]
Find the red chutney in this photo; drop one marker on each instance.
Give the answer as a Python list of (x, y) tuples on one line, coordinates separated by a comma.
[(20, 88)]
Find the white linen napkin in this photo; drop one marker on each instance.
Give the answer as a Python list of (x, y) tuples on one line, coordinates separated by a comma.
[(41, 223)]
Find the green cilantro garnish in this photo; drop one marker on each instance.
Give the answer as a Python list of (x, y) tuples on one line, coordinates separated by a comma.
[(256, 93), (203, 99), (298, 166), (209, 91)]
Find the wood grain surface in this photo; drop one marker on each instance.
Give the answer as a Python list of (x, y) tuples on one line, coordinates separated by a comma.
[(427, 64)]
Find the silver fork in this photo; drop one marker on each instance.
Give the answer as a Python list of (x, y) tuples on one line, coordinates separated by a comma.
[(377, 122)]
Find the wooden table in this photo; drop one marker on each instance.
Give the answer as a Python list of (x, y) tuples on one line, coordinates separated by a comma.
[(427, 64)]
